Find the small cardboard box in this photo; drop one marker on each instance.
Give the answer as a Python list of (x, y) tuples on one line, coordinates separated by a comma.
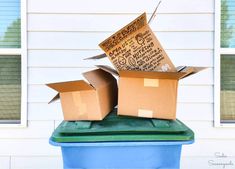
[(148, 80), (83, 101)]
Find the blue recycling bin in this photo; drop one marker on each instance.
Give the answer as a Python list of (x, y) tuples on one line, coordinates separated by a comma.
[(122, 143)]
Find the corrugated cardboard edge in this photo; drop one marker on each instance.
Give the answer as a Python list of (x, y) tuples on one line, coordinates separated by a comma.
[(57, 97), (151, 75), (99, 77), (189, 70), (108, 69), (96, 57), (60, 86)]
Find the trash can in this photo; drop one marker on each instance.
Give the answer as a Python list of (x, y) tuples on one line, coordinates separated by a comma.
[(122, 142)]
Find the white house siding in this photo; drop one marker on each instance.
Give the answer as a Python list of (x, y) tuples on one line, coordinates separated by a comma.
[(61, 33)]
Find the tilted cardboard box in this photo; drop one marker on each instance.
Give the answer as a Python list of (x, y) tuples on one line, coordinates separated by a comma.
[(83, 101), (148, 80), (149, 94)]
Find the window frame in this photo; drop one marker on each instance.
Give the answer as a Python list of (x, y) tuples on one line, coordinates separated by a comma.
[(23, 53), (218, 51)]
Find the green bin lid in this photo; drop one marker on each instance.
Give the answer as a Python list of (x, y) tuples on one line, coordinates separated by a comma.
[(122, 128)]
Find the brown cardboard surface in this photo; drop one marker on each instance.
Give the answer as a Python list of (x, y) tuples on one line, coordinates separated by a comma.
[(57, 97), (70, 86), (107, 97), (99, 78), (135, 47), (190, 70), (106, 87), (135, 99), (123, 33), (108, 69), (150, 94), (81, 105), (81, 101), (144, 74), (151, 82)]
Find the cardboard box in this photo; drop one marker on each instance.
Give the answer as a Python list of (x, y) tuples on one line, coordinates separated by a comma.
[(148, 80), (83, 101), (149, 94)]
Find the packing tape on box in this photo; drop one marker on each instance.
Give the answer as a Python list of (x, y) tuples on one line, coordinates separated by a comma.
[(82, 107), (145, 113), (151, 82)]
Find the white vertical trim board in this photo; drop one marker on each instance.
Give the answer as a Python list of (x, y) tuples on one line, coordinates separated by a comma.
[(217, 59), (24, 79), (217, 65), (23, 53)]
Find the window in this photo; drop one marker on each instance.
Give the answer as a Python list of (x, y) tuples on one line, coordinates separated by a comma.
[(13, 63), (224, 102)]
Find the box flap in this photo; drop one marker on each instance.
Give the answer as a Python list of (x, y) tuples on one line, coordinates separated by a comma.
[(135, 47), (70, 86), (189, 70), (99, 78), (123, 33), (57, 97), (151, 75), (103, 55), (108, 69)]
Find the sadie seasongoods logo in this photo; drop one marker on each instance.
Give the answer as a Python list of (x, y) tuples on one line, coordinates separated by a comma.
[(135, 47), (221, 160)]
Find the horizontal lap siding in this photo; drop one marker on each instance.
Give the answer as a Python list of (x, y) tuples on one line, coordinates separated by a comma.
[(55, 162), (5, 162), (61, 34), (37, 162), (98, 23), (120, 7), (90, 40)]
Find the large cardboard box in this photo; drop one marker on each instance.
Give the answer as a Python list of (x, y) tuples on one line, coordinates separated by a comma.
[(149, 94), (83, 101), (148, 80)]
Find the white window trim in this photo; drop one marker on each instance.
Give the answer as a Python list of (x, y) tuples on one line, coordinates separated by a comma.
[(23, 53), (217, 52)]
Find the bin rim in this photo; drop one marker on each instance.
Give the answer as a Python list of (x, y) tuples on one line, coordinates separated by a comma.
[(118, 143)]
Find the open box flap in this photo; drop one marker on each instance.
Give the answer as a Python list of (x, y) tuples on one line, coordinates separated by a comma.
[(97, 57), (99, 78), (136, 46), (103, 55), (151, 75), (123, 33), (57, 97), (70, 86), (189, 70), (108, 69)]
